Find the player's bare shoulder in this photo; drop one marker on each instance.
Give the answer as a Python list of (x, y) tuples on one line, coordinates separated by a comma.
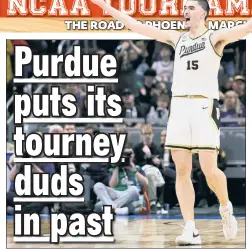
[(173, 37), (216, 41), (181, 35)]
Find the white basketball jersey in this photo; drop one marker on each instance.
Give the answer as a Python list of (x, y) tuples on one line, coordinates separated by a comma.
[(196, 67)]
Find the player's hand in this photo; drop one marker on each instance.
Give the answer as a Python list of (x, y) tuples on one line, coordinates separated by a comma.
[(147, 151)]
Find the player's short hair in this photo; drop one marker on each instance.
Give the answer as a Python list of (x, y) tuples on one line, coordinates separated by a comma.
[(205, 6)]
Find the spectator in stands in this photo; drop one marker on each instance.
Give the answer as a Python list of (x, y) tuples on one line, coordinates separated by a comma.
[(164, 67), (38, 46), (240, 65), (125, 184), (130, 108), (227, 86), (9, 76), (79, 95), (19, 168), (224, 87), (129, 58), (159, 116), (239, 86), (142, 45), (10, 147), (120, 129), (165, 156), (101, 52), (147, 156), (143, 66), (92, 129), (168, 171), (232, 108), (93, 172), (221, 75), (228, 60), (69, 128), (147, 93), (56, 129)]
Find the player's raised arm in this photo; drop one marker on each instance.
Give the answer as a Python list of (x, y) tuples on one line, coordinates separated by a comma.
[(226, 36), (170, 36)]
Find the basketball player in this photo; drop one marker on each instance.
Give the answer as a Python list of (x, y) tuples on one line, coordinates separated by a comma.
[(193, 124)]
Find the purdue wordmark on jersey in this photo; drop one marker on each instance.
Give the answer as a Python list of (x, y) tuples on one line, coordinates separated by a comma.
[(196, 67), (187, 50)]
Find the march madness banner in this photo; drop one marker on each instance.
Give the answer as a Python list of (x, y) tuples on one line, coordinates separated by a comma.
[(76, 15)]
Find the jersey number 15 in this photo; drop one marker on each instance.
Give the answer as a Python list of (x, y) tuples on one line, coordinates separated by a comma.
[(192, 65)]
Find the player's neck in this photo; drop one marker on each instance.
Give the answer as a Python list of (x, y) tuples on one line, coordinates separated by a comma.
[(197, 31)]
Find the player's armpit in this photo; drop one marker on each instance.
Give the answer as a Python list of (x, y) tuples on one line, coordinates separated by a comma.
[(226, 36)]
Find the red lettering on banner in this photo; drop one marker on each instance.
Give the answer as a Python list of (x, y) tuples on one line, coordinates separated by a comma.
[(135, 8), (35, 10), (171, 4), (58, 6), (80, 6), (104, 12), (132, 7), (151, 10), (241, 6), (215, 8), (17, 6)]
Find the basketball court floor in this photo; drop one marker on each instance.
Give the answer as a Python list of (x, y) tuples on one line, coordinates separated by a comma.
[(152, 231)]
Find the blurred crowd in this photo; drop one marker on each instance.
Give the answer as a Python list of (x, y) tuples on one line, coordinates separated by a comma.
[(145, 78), (146, 182)]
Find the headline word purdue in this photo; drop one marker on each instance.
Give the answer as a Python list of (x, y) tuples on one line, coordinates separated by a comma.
[(74, 65)]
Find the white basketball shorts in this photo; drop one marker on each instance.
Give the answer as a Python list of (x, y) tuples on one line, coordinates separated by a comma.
[(193, 124)]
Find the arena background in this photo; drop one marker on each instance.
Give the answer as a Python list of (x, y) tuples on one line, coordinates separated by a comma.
[(145, 82)]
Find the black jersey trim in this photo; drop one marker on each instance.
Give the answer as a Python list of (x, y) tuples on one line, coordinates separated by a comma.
[(214, 47), (198, 36)]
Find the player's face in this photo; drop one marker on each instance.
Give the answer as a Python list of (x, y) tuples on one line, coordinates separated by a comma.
[(193, 14)]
